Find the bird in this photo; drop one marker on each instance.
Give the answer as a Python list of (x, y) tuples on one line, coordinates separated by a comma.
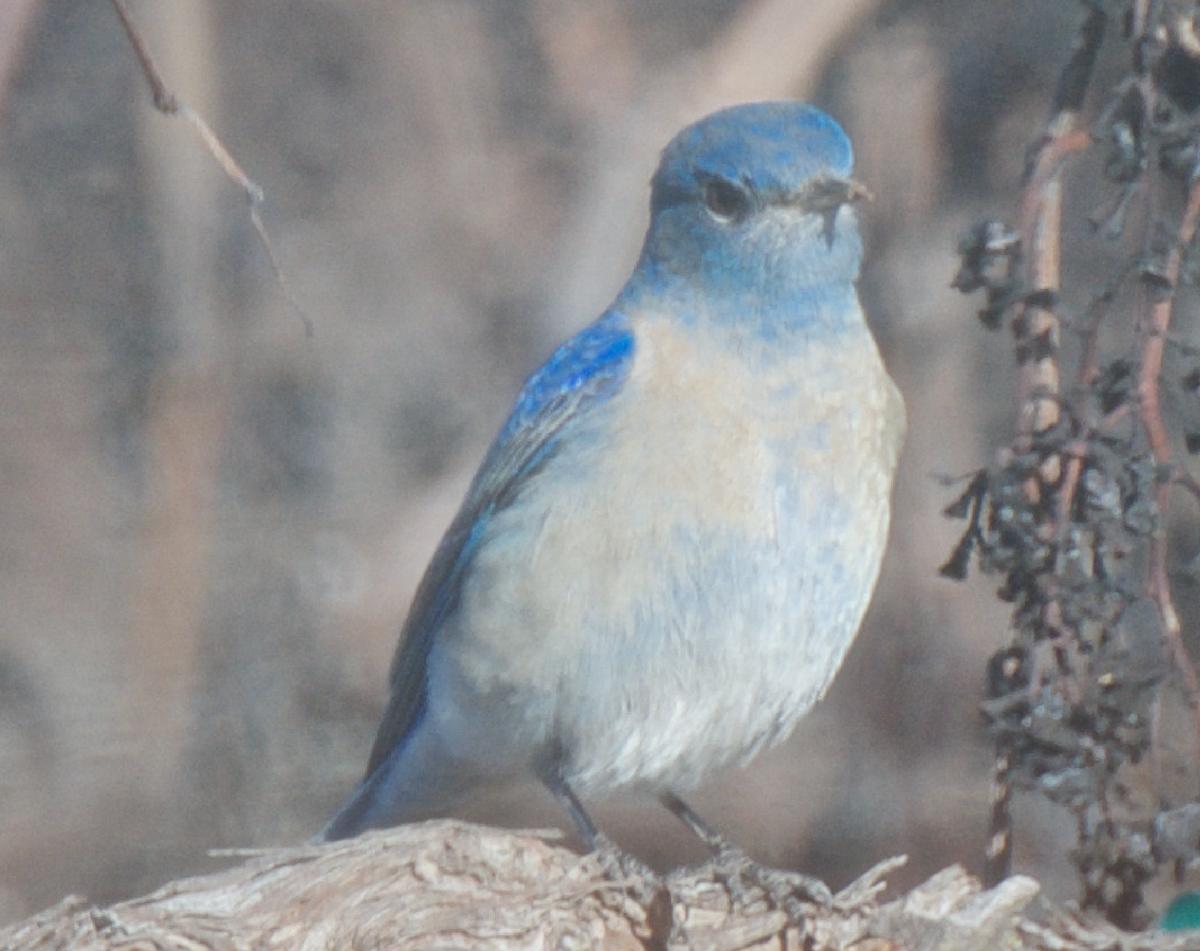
[(670, 546)]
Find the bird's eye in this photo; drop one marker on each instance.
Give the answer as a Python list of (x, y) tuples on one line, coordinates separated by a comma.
[(725, 200)]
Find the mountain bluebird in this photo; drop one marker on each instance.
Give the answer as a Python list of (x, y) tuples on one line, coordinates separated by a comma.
[(670, 547)]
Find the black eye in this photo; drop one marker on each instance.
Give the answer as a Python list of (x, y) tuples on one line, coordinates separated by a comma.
[(725, 200)]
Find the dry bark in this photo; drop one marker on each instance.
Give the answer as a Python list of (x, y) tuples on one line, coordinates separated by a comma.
[(453, 885)]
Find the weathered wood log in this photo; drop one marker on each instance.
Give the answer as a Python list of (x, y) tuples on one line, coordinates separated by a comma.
[(453, 885)]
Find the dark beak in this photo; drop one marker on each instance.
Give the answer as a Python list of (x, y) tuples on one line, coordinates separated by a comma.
[(826, 195), (829, 194)]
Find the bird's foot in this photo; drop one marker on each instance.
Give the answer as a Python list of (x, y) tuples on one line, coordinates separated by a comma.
[(628, 870), (751, 884)]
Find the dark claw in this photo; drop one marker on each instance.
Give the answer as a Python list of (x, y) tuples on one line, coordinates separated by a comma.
[(627, 869), (750, 883)]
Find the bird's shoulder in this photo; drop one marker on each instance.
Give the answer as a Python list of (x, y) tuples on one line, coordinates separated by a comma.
[(580, 376)]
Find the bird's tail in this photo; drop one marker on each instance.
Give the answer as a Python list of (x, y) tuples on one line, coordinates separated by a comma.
[(416, 781)]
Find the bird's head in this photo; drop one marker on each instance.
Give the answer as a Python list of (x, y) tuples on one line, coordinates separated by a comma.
[(755, 200)]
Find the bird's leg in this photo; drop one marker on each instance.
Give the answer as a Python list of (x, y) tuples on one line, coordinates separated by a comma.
[(617, 863), (784, 890), (716, 842)]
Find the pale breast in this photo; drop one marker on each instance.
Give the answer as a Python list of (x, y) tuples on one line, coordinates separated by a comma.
[(687, 581)]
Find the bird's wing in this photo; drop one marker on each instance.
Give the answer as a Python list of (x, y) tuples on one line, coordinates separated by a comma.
[(581, 375)]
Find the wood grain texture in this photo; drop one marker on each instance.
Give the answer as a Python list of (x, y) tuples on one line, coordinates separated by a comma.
[(453, 885)]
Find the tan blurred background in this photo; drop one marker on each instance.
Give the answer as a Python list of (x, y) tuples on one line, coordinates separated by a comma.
[(211, 525)]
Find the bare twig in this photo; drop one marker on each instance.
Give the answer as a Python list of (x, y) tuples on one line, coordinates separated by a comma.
[(170, 104), (1158, 307), (1037, 319), (1037, 328), (1041, 225)]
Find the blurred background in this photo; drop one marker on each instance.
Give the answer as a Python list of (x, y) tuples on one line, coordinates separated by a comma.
[(211, 523)]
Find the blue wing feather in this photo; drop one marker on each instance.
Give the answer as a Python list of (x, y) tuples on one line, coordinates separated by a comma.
[(583, 373)]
